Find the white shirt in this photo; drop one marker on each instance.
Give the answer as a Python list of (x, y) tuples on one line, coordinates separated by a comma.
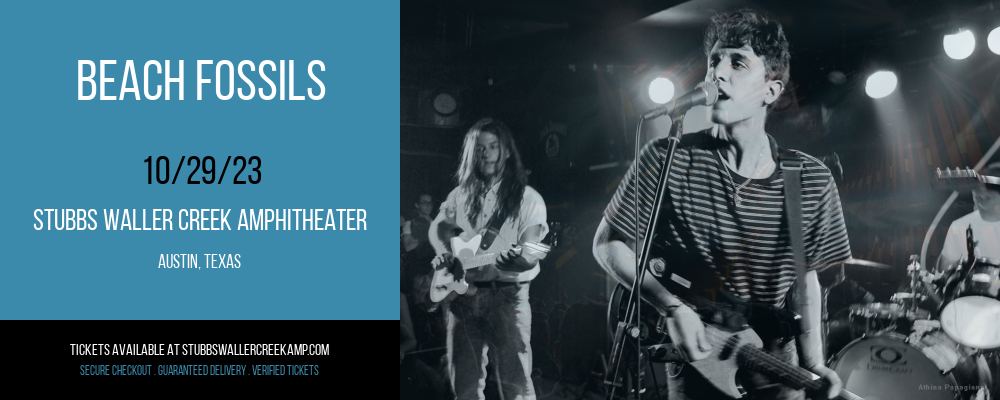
[(532, 213), (986, 233)]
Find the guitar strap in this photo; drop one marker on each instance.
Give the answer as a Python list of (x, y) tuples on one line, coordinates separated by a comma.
[(791, 166), (768, 321), (492, 230)]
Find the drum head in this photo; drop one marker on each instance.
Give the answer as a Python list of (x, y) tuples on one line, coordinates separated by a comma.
[(973, 321), (886, 368)]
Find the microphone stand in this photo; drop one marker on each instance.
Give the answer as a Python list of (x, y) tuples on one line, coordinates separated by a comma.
[(631, 323)]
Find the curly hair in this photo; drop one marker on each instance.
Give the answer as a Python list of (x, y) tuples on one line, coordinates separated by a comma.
[(513, 176), (765, 36)]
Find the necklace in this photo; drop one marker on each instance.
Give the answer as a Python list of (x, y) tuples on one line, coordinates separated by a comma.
[(737, 189)]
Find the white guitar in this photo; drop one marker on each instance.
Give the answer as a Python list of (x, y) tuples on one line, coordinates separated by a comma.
[(468, 253)]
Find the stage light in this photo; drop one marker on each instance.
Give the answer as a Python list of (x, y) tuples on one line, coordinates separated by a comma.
[(880, 84), (661, 90), (993, 40), (959, 45)]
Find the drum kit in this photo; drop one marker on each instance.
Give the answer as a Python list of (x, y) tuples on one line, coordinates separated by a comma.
[(939, 340)]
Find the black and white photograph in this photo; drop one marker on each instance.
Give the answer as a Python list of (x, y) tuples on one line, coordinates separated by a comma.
[(704, 199)]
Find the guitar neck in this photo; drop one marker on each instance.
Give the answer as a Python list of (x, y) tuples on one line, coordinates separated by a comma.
[(480, 260), (754, 358), (532, 251)]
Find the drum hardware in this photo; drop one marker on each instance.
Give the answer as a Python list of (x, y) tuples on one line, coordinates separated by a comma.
[(908, 300), (870, 275), (971, 308), (898, 316), (859, 271), (922, 327), (920, 289), (839, 327), (856, 262), (878, 318)]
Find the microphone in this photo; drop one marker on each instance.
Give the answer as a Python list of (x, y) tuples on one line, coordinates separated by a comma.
[(704, 95)]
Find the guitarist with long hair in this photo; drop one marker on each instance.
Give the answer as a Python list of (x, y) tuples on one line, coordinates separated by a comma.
[(724, 237), (494, 201)]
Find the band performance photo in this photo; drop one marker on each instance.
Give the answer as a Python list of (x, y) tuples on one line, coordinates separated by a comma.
[(706, 199)]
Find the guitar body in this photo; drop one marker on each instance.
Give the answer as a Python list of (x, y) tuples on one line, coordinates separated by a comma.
[(468, 253), (732, 350), (720, 367), (444, 283)]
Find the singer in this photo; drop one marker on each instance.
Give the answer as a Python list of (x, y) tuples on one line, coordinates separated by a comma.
[(723, 231)]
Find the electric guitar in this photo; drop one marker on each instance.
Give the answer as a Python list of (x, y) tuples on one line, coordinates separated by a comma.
[(742, 349), (732, 350), (468, 254)]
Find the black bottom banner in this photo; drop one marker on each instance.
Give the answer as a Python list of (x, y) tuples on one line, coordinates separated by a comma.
[(163, 353)]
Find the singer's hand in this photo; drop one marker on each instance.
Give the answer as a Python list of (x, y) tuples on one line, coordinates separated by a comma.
[(687, 331), (831, 382)]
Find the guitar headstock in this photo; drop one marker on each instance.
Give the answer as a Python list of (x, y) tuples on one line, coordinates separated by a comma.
[(961, 179)]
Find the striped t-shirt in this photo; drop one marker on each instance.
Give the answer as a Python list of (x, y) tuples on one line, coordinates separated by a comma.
[(746, 249)]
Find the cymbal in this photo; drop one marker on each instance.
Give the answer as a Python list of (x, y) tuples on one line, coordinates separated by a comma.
[(865, 263)]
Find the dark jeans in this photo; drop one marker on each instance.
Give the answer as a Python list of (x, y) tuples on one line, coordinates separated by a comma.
[(494, 321), (686, 383)]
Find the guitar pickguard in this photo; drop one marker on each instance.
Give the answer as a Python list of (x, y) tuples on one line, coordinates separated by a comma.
[(465, 249), (720, 367), (467, 252)]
